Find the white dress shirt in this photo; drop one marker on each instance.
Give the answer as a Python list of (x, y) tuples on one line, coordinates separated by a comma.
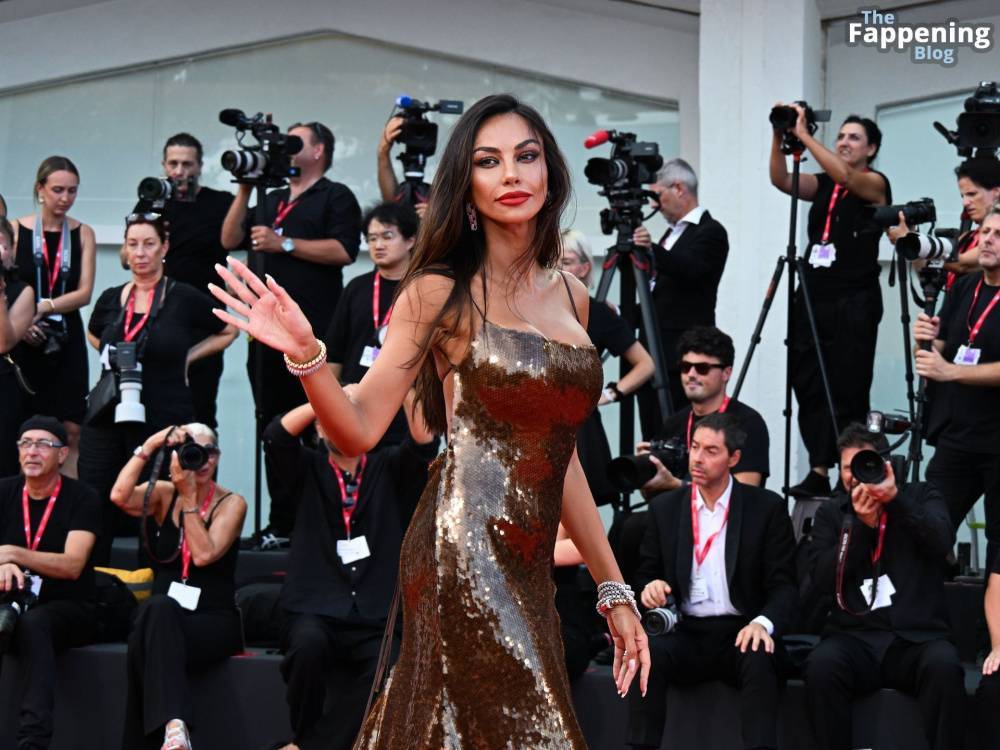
[(691, 217), (713, 569)]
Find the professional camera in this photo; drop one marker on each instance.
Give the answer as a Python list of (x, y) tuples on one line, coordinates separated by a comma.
[(191, 454), (915, 212), (629, 473), (632, 164), (783, 119), (938, 247), (868, 467), (13, 604), (269, 163), (56, 335), (661, 620), (419, 136), (125, 358), (979, 126), (156, 191)]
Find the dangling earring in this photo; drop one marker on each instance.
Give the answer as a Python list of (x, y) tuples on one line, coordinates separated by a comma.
[(470, 211)]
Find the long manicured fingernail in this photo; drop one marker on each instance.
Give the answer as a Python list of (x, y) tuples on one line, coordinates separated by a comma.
[(269, 277)]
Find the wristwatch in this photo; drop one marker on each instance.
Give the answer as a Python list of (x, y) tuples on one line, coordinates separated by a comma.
[(140, 453), (288, 244)]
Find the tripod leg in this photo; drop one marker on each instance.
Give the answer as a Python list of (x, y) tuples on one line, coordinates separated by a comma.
[(651, 325), (904, 318), (755, 337), (607, 274)]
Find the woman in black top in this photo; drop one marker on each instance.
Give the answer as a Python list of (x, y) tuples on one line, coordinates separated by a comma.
[(191, 620), (180, 330), (54, 355), (17, 306), (609, 333)]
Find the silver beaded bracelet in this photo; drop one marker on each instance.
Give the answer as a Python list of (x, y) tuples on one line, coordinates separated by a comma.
[(611, 594)]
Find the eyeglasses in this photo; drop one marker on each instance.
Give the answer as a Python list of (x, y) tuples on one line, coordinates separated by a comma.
[(43, 444), (387, 235), (702, 368)]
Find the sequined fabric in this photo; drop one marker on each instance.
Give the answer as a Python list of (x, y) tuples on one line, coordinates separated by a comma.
[(481, 665)]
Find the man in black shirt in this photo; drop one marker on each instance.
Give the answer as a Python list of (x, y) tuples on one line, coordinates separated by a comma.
[(963, 362), (194, 217), (690, 259), (889, 624), (350, 524), (842, 275), (48, 526)]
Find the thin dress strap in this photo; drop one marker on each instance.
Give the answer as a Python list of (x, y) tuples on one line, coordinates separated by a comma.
[(569, 292)]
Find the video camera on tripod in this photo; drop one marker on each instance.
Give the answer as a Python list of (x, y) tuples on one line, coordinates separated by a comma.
[(621, 177), (783, 119), (269, 163), (978, 127), (419, 136)]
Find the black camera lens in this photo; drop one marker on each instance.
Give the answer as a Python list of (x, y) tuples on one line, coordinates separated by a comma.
[(155, 189), (783, 118), (191, 455), (868, 467)]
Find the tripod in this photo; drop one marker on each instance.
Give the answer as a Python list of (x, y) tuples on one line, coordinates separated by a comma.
[(796, 269), (256, 263), (899, 272), (625, 253)]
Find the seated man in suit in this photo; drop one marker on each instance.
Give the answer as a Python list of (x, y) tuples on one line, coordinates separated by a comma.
[(688, 260), (724, 552), (894, 633)]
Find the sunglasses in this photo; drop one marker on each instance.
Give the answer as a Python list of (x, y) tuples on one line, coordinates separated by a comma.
[(702, 368), (133, 218)]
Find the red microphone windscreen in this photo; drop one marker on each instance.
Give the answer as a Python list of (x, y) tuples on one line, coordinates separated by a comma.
[(596, 139)]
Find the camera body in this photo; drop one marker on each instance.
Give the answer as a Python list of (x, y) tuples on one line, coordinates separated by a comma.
[(628, 473), (920, 211), (661, 620), (978, 127), (124, 357), (269, 162), (783, 119), (419, 136), (13, 604), (56, 335), (621, 177), (192, 455), (156, 191)]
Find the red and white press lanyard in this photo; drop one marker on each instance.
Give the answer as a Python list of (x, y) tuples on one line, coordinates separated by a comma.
[(722, 410), (32, 543), (53, 269), (130, 333), (974, 329), (700, 555), (185, 549), (349, 503), (376, 291), (283, 211), (838, 193)]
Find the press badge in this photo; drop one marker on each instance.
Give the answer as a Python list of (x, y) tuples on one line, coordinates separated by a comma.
[(883, 597), (352, 550), (967, 355), (34, 584), (823, 255), (368, 356), (186, 596), (699, 590)]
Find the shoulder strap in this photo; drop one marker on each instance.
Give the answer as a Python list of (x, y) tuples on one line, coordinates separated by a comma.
[(208, 521), (569, 293)]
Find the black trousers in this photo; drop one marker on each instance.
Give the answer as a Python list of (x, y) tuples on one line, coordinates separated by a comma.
[(700, 650), (203, 380), (844, 666), (988, 710), (42, 632), (963, 477), (848, 329), (321, 651), (166, 643)]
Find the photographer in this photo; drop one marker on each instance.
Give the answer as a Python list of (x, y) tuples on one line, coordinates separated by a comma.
[(963, 361), (194, 214), (56, 254), (690, 259), (48, 525), (311, 230), (388, 185), (190, 622), (893, 633), (353, 513), (723, 551), (841, 273), (167, 320), (17, 308)]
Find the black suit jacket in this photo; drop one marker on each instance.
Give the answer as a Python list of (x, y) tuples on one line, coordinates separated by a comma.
[(760, 551), (687, 276), (918, 536)]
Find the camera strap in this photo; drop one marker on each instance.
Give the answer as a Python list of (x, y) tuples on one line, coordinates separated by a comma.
[(975, 328), (185, 549), (846, 531), (722, 410), (54, 271), (33, 542), (348, 500)]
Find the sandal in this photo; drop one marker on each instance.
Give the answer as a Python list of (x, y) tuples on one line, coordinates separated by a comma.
[(176, 736)]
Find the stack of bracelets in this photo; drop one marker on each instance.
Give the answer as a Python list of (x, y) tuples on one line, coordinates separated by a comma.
[(301, 369), (611, 594)]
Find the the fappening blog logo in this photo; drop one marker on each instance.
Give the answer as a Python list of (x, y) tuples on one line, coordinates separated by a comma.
[(926, 42)]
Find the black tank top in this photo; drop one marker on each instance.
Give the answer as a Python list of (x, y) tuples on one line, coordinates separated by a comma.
[(216, 581), (26, 260)]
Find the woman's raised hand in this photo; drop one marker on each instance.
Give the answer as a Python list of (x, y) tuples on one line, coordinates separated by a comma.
[(268, 313)]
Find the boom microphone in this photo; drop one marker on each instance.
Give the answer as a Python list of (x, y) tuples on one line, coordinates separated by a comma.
[(234, 118), (596, 138)]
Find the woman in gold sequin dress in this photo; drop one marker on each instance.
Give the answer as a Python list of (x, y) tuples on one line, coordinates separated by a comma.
[(493, 337)]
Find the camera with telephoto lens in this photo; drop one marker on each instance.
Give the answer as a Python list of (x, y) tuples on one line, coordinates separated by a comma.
[(419, 136), (13, 604), (784, 117), (124, 358), (269, 163), (629, 473), (661, 620), (920, 211), (156, 191), (621, 177), (978, 127), (191, 454), (937, 247)]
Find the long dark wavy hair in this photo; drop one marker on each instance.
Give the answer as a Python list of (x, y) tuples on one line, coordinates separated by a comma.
[(447, 246)]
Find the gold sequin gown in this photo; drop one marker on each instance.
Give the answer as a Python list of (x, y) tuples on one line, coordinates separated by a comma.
[(481, 665)]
